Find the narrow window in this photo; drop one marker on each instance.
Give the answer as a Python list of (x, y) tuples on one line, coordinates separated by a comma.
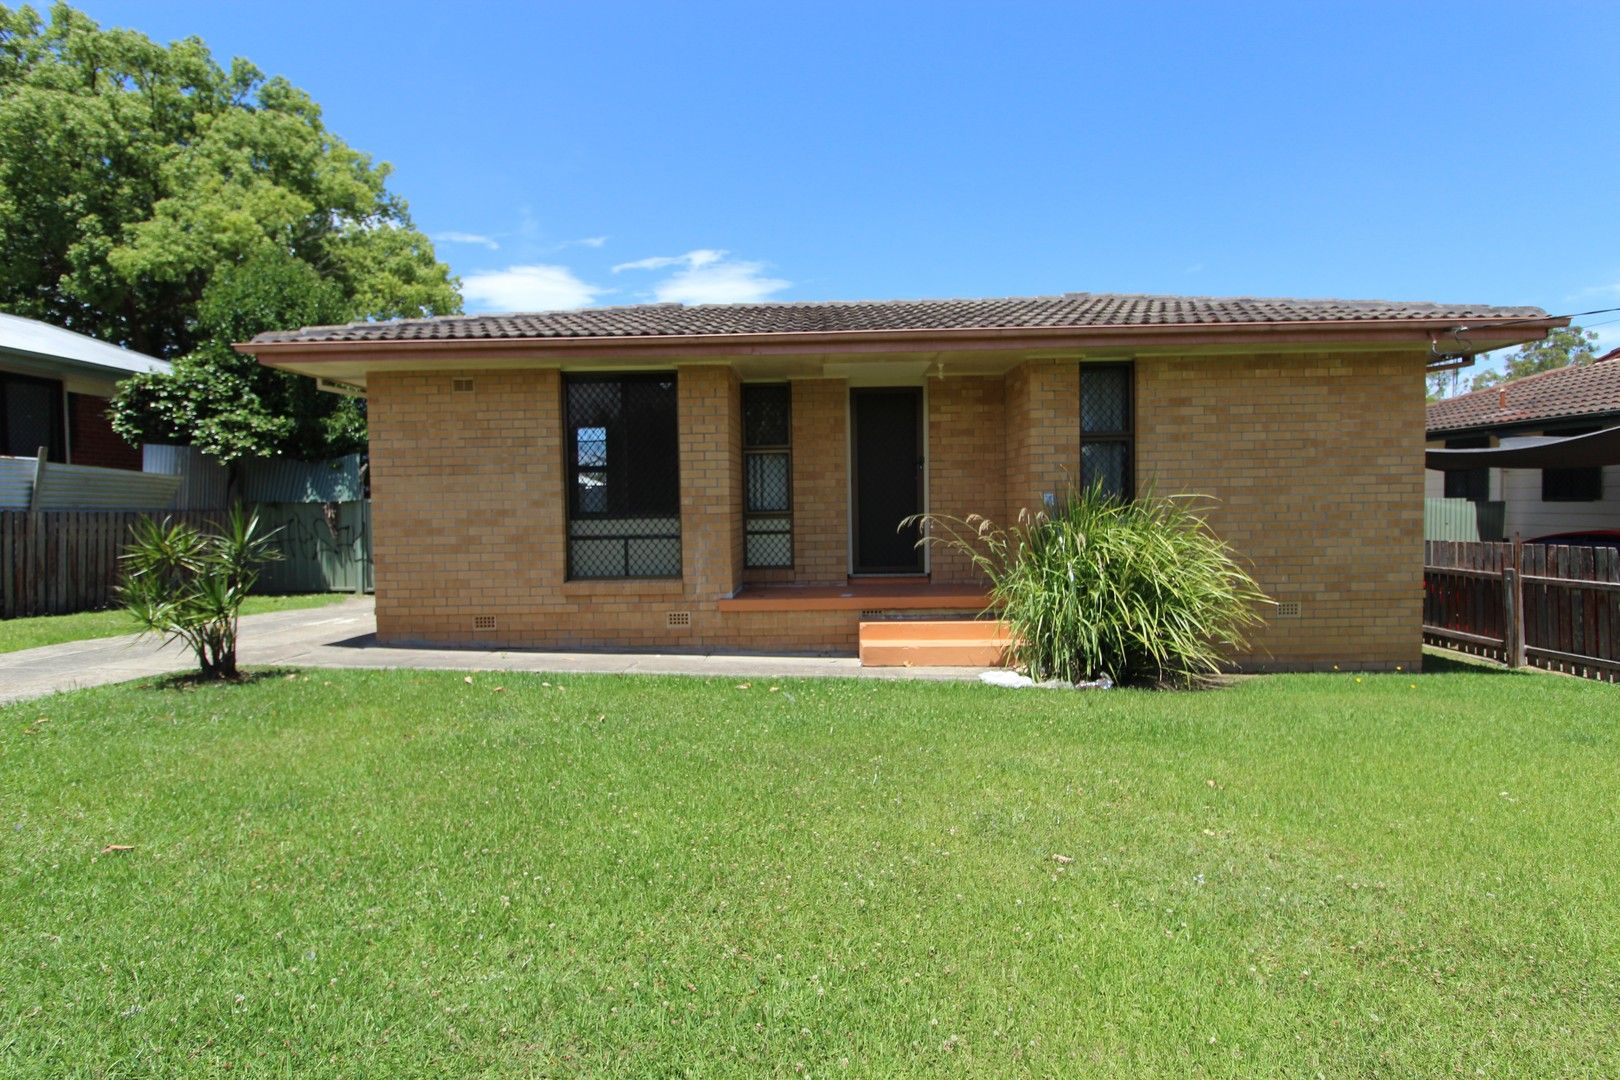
[(1471, 484), (624, 498), (1107, 434), (767, 465)]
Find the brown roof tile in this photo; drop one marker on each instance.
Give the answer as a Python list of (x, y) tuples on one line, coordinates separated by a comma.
[(1588, 390), (1068, 310)]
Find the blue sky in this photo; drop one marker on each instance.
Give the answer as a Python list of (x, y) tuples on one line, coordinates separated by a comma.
[(599, 153)]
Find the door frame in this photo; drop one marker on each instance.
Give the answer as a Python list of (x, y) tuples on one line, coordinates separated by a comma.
[(920, 387)]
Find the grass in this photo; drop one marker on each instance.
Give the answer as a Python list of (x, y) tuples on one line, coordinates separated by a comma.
[(399, 873), (30, 633)]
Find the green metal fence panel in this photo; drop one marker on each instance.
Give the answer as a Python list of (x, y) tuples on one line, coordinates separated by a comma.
[(1462, 519), (324, 547)]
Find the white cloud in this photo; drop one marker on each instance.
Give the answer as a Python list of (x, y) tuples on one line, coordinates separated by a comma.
[(707, 276), (452, 236), (587, 241), (527, 288)]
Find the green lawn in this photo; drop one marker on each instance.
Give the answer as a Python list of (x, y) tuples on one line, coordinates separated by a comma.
[(54, 629), (390, 874)]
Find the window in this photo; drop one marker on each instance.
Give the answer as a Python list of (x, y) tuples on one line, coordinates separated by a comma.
[(623, 470), (767, 467), (1572, 485), (1471, 484), (31, 416), (1106, 430)]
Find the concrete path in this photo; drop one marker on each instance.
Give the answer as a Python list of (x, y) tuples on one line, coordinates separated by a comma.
[(344, 635)]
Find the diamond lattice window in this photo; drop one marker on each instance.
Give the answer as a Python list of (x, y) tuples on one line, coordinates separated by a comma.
[(1107, 429), (624, 498), (768, 471)]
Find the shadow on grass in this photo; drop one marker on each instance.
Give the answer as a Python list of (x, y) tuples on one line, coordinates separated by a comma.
[(184, 681), (1437, 662)]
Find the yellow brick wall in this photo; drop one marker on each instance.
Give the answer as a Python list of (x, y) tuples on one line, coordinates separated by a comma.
[(967, 461), (1317, 465), (1316, 461)]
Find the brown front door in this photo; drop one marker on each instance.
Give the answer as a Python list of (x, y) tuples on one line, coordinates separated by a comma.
[(886, 425)]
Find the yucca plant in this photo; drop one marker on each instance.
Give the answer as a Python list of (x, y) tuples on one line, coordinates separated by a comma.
[(1140, 591), (185, 585)]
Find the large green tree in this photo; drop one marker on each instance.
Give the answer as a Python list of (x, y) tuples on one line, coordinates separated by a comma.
[(153, 198)]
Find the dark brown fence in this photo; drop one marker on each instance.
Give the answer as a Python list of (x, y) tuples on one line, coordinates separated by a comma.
[(53, 562), (1548, 606)]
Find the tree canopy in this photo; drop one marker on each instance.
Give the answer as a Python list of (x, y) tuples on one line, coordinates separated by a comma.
[(152, 198)]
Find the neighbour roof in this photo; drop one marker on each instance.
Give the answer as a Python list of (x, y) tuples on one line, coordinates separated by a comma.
[(1027, 312), (1587, 390), (40, 340)]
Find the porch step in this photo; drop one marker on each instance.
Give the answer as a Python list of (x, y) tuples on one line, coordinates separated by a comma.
[(934, 643)]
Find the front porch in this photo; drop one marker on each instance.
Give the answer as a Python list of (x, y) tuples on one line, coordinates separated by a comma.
[(887, 595)]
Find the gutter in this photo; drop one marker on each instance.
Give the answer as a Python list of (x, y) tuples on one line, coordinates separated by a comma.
[(1371, 331)]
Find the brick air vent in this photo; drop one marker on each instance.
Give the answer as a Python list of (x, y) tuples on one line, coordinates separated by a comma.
[(676, 619), (483, 622), (461, 386), (1288, 609)]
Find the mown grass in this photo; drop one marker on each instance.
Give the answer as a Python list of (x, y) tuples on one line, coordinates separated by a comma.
[(403, 874), (30, 633)]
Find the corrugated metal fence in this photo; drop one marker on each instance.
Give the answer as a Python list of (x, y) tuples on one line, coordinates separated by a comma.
[(57, 562), (1463, 519), (1547, 606)]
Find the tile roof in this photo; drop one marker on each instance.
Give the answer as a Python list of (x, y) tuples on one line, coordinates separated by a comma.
[(1588, 390), (1028, 312)]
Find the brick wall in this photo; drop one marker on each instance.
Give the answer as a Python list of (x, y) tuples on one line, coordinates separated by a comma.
[(1317, 465), (469, 520), (1043, 433), (1316, 462), (967, 460), (92, 438)]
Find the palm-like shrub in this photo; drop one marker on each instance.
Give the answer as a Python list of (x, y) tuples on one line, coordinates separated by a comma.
[(185, 585), (1140, 591)]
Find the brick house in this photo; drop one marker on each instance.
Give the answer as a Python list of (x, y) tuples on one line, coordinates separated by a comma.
[(1562, 496), (732, 477), (54, 387)]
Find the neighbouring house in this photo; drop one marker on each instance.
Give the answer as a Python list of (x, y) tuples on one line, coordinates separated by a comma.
[(54, 386), (1534, 483), (734, 477)]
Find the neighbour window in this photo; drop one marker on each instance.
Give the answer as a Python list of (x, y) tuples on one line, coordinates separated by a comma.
[(1572, 485), (624, 499), (1471, 484), (767, 465), (1107, 434), (31, 416)]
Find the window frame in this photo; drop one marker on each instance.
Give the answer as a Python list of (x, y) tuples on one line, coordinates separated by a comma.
[(57, 449), (762, 450), (572, 469), (1468, 478), (1125, 437)]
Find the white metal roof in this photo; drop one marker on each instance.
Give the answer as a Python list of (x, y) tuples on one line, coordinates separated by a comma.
[(43, 341)]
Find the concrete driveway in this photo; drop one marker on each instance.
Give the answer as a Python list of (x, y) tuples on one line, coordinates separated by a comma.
[(344, 635)]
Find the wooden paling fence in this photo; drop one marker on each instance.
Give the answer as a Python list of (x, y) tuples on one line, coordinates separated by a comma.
[(53, 562), (1546, 606)]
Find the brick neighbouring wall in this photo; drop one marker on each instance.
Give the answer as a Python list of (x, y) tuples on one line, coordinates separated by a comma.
[(1043, 433), (92, 439), (820, 486), (469, 518), (967, 451), (1317, 463)]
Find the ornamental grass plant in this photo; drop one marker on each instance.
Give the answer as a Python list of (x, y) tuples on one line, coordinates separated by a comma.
[(1139, 590)]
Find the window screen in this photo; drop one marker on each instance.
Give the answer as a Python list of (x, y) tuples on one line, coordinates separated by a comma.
[(1472, 484), (1572, 485), (1106, 429), (768, 474), (623, 469), (30, 416)]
